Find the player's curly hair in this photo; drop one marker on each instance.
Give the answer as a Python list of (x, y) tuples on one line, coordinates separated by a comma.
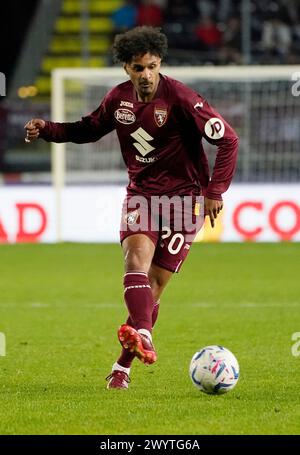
[(139, 41)]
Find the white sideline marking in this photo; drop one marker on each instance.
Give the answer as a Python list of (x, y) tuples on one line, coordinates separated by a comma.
[(59, 305), (39, 305), (117, 304), (2, 345), (102, 305)]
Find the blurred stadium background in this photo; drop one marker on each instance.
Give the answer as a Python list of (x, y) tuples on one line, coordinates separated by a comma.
[(243, 56)]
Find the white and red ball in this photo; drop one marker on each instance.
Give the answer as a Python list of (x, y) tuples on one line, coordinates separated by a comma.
[(214, 370)]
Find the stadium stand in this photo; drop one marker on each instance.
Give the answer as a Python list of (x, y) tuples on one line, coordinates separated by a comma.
[(68, 47), (48, 34)]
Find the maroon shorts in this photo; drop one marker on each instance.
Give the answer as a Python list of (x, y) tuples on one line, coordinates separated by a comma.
[(170, 222)]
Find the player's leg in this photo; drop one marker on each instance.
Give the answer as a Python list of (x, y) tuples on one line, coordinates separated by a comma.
[(138, 250), (139, 237), (135, 336), (138, 253), (168, 258), (158, 279), (138, 241)]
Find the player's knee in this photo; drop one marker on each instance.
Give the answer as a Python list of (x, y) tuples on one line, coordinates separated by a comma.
[(136, 259)]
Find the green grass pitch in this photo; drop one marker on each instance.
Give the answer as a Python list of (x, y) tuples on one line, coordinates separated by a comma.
[(60, 308)]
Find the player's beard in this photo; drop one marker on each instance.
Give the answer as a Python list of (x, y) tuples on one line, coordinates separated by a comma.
[(146, 88), (145, 93)]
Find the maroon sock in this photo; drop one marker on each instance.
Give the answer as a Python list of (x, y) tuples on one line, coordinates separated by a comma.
[(126, 357), (139, 299)]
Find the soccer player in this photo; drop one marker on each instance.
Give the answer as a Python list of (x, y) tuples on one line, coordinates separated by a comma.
[(160, 124)]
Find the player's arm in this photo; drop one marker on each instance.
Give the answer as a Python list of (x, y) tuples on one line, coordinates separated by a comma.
[(89, 129), (218, 132)]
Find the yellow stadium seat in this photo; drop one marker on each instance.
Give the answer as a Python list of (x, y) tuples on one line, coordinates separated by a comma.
[(74, 24), (50, 63), (43, 85), (60, 45), (65, 51), (95, 6)]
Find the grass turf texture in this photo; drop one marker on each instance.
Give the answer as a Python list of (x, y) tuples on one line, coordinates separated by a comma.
[(60, 309)]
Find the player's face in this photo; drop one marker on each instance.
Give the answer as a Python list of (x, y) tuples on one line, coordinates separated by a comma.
[(144, 74)]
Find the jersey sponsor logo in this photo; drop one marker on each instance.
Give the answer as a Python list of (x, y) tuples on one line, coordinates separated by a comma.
[(214, 128), (125, 116), (142, 159), (131, 217), (143, 139), (126, 104), (160, 116), (198, 105)]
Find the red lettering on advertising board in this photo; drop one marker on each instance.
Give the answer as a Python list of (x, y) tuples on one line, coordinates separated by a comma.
[(3, 234), (289, 233), (272, 219), (246, 233), (22, 234)]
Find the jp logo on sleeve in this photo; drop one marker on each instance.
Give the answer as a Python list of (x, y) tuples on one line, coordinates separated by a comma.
[(214, 128)]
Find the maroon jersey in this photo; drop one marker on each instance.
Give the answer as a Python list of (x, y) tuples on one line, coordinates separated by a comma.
[(161, 140)]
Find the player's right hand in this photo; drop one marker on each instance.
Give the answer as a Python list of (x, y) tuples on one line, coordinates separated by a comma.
[(33, 128)]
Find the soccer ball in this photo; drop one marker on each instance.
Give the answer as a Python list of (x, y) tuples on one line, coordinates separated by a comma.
[(214, 370)]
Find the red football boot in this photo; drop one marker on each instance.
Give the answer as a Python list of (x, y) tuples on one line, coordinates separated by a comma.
[(118, 380), (137, 343)]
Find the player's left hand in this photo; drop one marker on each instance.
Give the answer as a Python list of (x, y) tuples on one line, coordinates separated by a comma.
[(212, 208)]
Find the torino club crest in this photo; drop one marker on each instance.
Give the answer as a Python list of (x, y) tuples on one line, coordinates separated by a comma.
[(160, 116)]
